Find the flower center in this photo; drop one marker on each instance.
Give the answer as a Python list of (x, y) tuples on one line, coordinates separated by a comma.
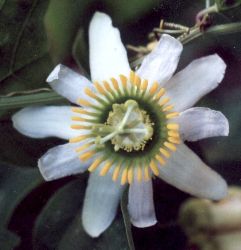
[(127, 128)]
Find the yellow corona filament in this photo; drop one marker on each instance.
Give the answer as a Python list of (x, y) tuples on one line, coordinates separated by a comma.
[(90, 93), (164, 101), (83, 147), (99, 88), (173, 126), (173, 134), (115, 84), (107, 87), (144, 85), (80, 111), (130, 175), (137, 81), (139, 174), (94, 165), (76, 126), (116, 173), (83, 102), (170, 146), (160, 160), (79, 138), (154, 88), (132, 76), (78, 119), (146, 173), (105, 168), (124, 176), (168, 108), (174, 140), (160, 93), (87, 155), (165, 152), (172, 115), (123, 81), (154, 168)]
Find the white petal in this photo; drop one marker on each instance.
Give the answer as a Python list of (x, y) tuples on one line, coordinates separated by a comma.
[(140, 204), (196, 80), (100, 204), (187, 172), (199, 123), (41, 122), (108, 57), (61, 161), (161, 63), (69, 84)]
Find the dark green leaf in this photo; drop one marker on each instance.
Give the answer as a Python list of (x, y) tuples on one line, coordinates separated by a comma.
[(8, 240), (15, 184)]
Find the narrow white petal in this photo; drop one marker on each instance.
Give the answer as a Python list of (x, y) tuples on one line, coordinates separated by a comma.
[(100, 204), (161, 63), (196, 80), (108, 57), (186, 171), (68, 83), (61, 161), (140, 204), (199, 123), (41, 122)]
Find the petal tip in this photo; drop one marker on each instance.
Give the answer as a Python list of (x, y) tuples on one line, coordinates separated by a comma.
[(221, 191), (172, 40), (54, 75), (91, 229), (144, 224), (43, 172)]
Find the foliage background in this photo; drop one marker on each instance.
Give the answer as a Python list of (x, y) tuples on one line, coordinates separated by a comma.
[(35, 35)]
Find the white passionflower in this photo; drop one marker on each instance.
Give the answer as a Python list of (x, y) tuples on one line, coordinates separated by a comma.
[(129, 126)]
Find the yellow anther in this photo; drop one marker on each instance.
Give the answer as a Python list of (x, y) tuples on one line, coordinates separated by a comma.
[(83, 147), (165, 152), (146, 173), (78, 119), (99, 88), (168, 108), (130, 175), (87, 155), (90, 93), (160, 93), (79, 138), (172, 115), (132, 76), (154, 168), (83, 102), (164, 101), (170, 146), (107, 86), (80, 111), (160, 160), (173, 126), (173, 134), (139, 174), (137, 81), (124, 176), (76, 126), (144, 85), (174, 140), (105, 168), (116, 173), (123, 81), (154, 88), (115, 83), (94, 165)]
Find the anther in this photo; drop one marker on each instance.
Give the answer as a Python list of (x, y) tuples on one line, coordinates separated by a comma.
[(83, 147), (164, 101), (174, 140), (139, 174), (170, 146), (160, 160), (124, 176), (146, 173), (172, 115), (168, 108), (76, 126), (160, 93), (116, 173), (165, 152), (154, 88), (94, 165), (87, 155), (79, 138), (83, 102), (130, 175), (173, 126), (105, 168), (132, 76), (154, 168)]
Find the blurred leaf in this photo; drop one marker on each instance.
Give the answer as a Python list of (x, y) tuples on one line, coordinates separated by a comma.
[(227, 4), (8, 240), (15, 184), (23, 47), (59, 225)]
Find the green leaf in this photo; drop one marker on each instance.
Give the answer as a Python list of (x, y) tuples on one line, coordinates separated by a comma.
[(15, 184), (8, 240), (59, 225), (227, 4), (25, 62)]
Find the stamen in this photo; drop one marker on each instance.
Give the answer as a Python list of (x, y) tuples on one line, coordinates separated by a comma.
[(79, 138), (81, 111), (124, 176), (105, 168), (173, 126), (160, 160), (100, 88), (154, 88), (123, 81), (174, 140), (78, 119), (154, 168), (160, 94), (137, 81), (173, 134), (139, 174), (108, 88), (132, 76), (168, 108), (164, 101), (146, 173), (130, 175), (83, 147), (170, 146), (144, 85), (87, 155), (116, 173), (172, 115), (95, 164), (76, 126), (90, 93), (83, 102), (165, 152), (115, 84)]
